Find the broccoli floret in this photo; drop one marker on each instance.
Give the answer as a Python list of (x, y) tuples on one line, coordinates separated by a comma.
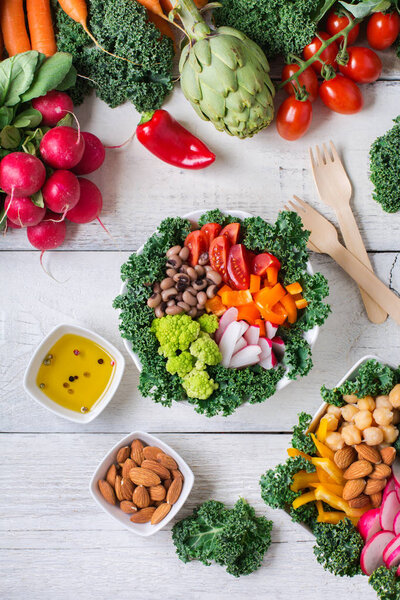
[(181, 364), (205, 350), (385, 583), (175, 332), (300, 439), (384, 165), (208, 323), (198, 384), (234, 538), (338, 547)]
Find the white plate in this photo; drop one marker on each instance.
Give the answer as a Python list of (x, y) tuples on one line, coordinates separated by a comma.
[(311, 335), (142, 529)]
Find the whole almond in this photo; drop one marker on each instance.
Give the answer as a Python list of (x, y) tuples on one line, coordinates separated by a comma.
[(167, 484), (176, 474), (360, 502), (388, 455), (155, 466), (151, 452), (141, 497), (117, 487), (107, 491), (166, 461), (111, 475), (157, 493), (137, 451), (144, 477), (369, 453), (127, 489), (374, 486), (376, 499), (144, 515), (174, 491), (344, 457), (123, 454), (381, 471), (160, 513), (358, 470), (353, 488), (127, 466), (128, 507)]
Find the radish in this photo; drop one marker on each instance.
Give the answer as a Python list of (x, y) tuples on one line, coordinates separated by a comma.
[(394, 559), (228, 341), (391, 548), (61, 191), (11, 225), (244, 327), (278, 346), (252, 335), (390, 487), (371, 555), (228, 317), (21, 174), (395, 468), (369, 524), (93, 155), (266, 347), (240, 344), (53, 107), (389, 508), (62, 147), (246, 357), (48, 234), (396, 524), (269, 362), (271, 329), (89, 205), (22, 211)]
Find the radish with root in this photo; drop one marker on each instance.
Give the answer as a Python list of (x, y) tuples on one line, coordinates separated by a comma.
[(53, 107), (61, 191), (22, 211), (21, 174), (62, 147), (90, 203), (93, 155), (48, 234)]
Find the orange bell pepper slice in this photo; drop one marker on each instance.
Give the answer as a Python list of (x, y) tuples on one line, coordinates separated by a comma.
[(322, 430), (303, 499), (301, 303), (290, 307), (268, 297), (215, 306), (322, 449), (248, 312), (272, 275), (225, 288), (294, 288), (261, 325), (272, 317), (329, 467), (255, 284), (236, 298), (293, 452), (302, 480)]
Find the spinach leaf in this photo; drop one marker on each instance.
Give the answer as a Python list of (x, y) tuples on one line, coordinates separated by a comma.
[(365, 7), (28, 118), (51, 73), (6, 116), (322, 9), (10, 137), (16, 76), (68, 81)]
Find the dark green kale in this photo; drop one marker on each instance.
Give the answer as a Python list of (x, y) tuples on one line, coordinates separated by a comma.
[(384, 158), (217, 216), (298, 355), (233, 538), (385, 583), (315, 289), (338, 547), (300, 439)]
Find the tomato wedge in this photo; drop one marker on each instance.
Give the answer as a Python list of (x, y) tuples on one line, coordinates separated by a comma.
[(262, 262), (238, 267), (196, 241), (218, 253), (231, 231), (211, 231)]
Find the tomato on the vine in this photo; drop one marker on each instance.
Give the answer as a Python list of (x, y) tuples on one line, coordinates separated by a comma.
[(363, 66), (239, 267), (341, 95), (196, 241), (336, 23), (293, 118), (218, 254), (307, 79), (328, 56), (383, 29)]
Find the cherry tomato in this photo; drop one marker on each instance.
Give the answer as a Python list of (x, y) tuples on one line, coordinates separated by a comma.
[(211, 231), (231, 232), (218, 253), (364, 65), (293, 118), (196, 241), (383, 30), (341, 95), (307, 79), (328, 56), (238, 267), (262, 262), (336, 23)]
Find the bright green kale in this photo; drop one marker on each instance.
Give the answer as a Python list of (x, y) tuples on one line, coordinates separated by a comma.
[(315, 289), (384, 158), (233, 538), (217, 216), (298, 356), (385, 583), (338, 547), (300, 439)]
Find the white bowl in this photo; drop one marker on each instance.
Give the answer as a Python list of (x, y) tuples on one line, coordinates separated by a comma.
[(35, 392), (311, 335), (143, 529)]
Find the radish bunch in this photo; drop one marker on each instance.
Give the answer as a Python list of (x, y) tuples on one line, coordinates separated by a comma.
[(67, 153), (242, 346)]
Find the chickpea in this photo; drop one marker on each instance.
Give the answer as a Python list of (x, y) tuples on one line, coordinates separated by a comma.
[(383, 416), (382, 402), (367, 403), (373, 436), (332, 422), (349, 411), (363, 419), (334, 441), (396, 416), (352, 435), (394, 396), (343, 426), (350, 398), (334, 410), (390, 433)]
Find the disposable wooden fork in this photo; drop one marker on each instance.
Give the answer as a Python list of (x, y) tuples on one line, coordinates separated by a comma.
[(334, 188), (324, 237)]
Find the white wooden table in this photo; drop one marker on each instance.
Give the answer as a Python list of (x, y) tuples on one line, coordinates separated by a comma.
[(55, 542)]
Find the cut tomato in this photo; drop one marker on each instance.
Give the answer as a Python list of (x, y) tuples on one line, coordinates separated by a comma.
[(249, 312), (238, 267), (262, 262), (218, 253), (211, 231), (231, 232), (196, 241)]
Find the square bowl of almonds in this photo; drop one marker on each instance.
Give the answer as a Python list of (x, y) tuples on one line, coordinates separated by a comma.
[(142, 483)]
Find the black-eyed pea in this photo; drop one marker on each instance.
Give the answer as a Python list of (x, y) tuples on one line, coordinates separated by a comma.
[(184, 253), (348, 412), (390, 433), (156, 288), (383, 416), (159, 311), (167, 283), (154, 300), (212, 291), (184, 305), (334, 410), (201, 299), (200, 270), (383, 402), (394, 396), (373, 436), (174, 262), (363, 419), (189, 299), (351, 435), (174, 250), (171, 272), (192, 273), (171, 303), (193, 312), (200, 284), (174, 310), (366, 403), (396, 416), (203, 259), (214, 277), (334, 441), (350, 398), (169, 294)]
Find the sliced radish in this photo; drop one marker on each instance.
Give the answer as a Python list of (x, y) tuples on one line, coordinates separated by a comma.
[(245, 326), (396, 472), (266, 347), (228, 317), (240, 344), (371, 555), (228, 341), (398, 572), (389, 508), (390, 486), (246, 357), (270, 329), (252, 335), (369, 524), (394, 559), (396, 524), (278, 346), (269, 362), (390, 548)]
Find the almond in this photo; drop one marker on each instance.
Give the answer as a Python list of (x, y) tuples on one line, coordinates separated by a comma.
[(388, 455), (360, 502), (174, 491), (160, 513), (376, 499), (155, 466), (118, 491), (381, 471), (353, 488), (166, 461), (369, 453), (127, 466), (344, 457), (151, 452), (144, 515), (122, 455), (137, 451), (127, 507), (157, 503), (176, 474), (374, 486), (141, 497), (127, 489), (358, 470), (157, 493), (167, 483), (111, 475), (107, 491), (144, 477)]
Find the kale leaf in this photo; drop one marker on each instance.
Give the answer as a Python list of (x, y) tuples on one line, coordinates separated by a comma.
[(384, 158), (385, 583), (338, 547), (300, 439), (217, 216)]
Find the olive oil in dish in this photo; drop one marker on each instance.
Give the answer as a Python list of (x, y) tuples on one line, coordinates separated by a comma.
[(76, 372)]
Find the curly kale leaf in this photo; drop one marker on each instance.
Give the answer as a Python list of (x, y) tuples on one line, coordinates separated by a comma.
[(385, 583), (338, 548), (298, 356), (384, 158), (234, 538), (300, 439), (217, 216), (315, 289)]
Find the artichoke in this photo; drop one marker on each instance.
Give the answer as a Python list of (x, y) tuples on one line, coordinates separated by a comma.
[(224, 75)]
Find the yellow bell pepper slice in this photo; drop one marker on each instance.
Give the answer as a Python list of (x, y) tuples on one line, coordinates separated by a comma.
[(321, 493), (320, 508), (303, 499), (324, 477), (329, 467), (323, 450), (335, 517), (334, 488), (293, 452), (302, 479), (322, 431)]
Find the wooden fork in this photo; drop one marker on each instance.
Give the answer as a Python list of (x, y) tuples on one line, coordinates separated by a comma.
[(324, 237), (334, 189)]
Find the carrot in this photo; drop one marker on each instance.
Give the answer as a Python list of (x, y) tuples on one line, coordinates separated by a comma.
[(41, 26), (153, 6), (162, 25), (15, 36)]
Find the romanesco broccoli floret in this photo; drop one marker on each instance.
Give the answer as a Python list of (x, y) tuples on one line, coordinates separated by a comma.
[(208, 323), (181, 364), (198, 384), (205, 350), (175, 332)]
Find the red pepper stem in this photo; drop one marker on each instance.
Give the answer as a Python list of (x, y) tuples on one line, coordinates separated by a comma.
[(146, 116)]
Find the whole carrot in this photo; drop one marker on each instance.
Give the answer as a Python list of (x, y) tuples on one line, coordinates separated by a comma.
[(12, 19), (41, 26)]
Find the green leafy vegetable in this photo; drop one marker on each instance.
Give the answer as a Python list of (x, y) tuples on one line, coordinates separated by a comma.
[(16, 76), (385, 583), (29, 117), (233, 538), (10, 137), (298, 356), (49, 75), (362, 8), (338, 547), (300, 439), (384, 157), (217, 216)]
